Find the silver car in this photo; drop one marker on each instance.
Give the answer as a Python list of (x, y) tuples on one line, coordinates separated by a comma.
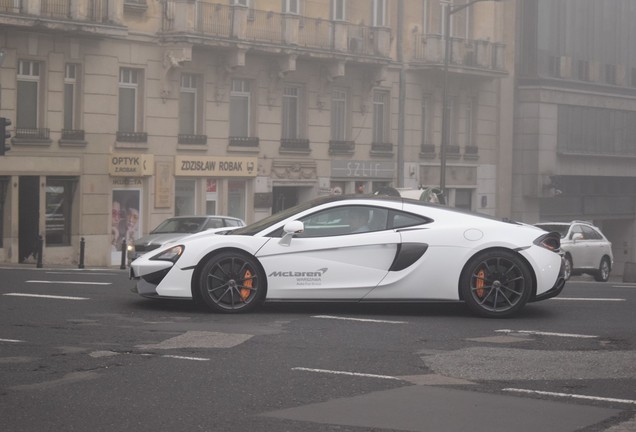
[(177, 227), (585, 247)]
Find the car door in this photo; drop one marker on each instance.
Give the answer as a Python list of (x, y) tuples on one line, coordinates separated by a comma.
[(328, 260), (578, 248), (596, 246)]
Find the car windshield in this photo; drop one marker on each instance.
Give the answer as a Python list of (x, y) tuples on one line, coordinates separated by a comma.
[(561, 229), (180, 225)]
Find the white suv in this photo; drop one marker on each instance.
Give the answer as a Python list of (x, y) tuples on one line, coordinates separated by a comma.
[(585, 247)]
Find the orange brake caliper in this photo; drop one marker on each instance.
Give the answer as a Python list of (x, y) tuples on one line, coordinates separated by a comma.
[(479, 284), (245, 292)]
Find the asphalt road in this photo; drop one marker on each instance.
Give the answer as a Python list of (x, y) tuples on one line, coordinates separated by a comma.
[(80, 352)]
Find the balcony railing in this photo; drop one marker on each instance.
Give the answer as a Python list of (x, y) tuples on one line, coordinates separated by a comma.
[(294, 144), (381, 147), (10, 6), (341, 147), (469, 53), (36, 134), (73, 134), (238, 23), (132, 137), (192, 139), (244, 141), (56, 8)]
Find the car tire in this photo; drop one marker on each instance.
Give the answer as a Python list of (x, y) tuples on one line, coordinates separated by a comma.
[(232, 282), (603, 272), (567, 271), (496, 284)]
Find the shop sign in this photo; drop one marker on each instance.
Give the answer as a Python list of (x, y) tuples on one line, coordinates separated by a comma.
[(201, 166), (361, 169), (131, 165)]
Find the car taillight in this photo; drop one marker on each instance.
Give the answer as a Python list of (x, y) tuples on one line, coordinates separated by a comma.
[(551, 241)]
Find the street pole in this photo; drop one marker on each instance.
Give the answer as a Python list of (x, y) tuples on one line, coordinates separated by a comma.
[(448, 11)]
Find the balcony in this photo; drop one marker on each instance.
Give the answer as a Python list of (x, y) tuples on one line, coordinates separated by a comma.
[(31, 136), (201, 140), (95, 17), (217, 24), (341, 147), (466, 55), (132, 137), (294, 145), (382, 149)]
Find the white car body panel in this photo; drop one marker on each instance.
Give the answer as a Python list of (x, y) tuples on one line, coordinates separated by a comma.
[(316, 267)]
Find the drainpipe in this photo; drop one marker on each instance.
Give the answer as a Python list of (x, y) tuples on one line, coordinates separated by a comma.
[(402, 95)]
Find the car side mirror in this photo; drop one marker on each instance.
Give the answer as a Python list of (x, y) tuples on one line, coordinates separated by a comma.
[(577, 236), (291, 229)]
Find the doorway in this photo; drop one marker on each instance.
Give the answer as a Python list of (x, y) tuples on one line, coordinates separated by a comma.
[(284, 198), (28, 218)]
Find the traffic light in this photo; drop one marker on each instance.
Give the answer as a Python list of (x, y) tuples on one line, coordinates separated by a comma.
[(4, 134)]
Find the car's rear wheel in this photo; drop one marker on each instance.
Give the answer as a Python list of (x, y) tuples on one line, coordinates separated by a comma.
[(232, 282), (496, 284), (603, 272), (567, 270)]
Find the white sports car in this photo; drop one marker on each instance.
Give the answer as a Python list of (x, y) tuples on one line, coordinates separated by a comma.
[(401, 250)]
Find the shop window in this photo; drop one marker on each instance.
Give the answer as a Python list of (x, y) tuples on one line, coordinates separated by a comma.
[(463, 199), (236, 198), (211, 196), (184, 198), (59, 206)]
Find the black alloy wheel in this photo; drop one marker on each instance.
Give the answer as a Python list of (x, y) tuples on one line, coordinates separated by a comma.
[(232, 282), (496, 284)]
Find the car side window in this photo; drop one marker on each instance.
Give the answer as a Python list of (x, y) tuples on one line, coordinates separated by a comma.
[(213, 223), (576, 229), (232, 223), (590, 233), (403, 220)]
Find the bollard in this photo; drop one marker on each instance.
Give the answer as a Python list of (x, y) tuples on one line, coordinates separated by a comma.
[(123, 255), (40, 248), (81, 257)]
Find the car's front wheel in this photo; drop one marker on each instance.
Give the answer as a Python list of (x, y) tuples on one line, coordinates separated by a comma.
[(603, 272), (496, 284), (232, 282)]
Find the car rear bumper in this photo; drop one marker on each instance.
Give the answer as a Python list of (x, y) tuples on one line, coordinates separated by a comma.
[(558, 285)]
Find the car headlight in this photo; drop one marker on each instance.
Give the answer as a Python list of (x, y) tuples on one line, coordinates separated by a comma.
[(172, 254), (130, 248)]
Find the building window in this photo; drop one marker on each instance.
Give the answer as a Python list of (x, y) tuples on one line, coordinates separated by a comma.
[(380, 116), (59, 204), (291, 112), (291, 6), (338, 115), (129, 100), (245, 3), (379, 13), (188, 104), (240, 100), (28, 96), (470, 126), (610, 74), (338, 10), (71, 94), (425, 121)]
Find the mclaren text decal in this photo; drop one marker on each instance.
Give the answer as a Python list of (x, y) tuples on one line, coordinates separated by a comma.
[(312, 278)]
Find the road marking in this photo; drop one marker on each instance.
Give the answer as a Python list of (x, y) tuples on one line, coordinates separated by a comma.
[(358, 319), (540, 333), (333, 372), (11, 340), (69, 282), (186, 358), (624, 286), (75, 273), (46, 296), (588, 299), (572, 396)]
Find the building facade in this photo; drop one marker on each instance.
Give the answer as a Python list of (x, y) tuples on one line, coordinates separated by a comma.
[(575, 117), (126, 112)]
